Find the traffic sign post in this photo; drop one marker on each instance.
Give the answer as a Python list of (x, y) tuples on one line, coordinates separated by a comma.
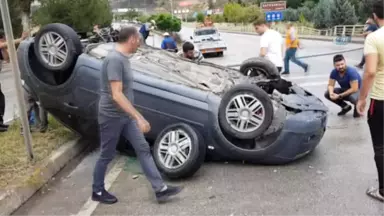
[(273, 10)]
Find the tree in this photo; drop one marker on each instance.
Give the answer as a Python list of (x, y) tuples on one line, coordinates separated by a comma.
[(343, 13), (322, 14), (14, 12), (25, 11), (211, 5), (79, 14), (200, 17), (365, 9)]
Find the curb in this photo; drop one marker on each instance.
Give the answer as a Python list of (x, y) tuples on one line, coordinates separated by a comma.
[(13, 198)]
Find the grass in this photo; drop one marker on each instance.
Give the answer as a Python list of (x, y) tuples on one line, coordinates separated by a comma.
[(15, 166)]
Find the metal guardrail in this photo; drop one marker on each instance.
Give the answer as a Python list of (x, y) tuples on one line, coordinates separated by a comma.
[(341, 30)]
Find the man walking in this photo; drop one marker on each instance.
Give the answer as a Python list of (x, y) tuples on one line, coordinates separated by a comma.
[(118, 116), (374, 79), (271, 43), (349, 81), (371, 27), (292, 43)]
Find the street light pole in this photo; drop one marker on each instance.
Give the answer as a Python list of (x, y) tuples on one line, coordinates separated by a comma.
[(172, 7), (15, 68)]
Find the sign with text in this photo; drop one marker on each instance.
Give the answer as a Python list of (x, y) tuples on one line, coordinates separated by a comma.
[(272, 16), (273, 6)]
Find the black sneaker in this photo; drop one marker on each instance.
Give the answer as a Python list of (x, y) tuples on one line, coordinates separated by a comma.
[(4, 126), (162, 196), (3, 129), (306, 68), (284, 73), (104, 197), (359, 66), (345, 110)]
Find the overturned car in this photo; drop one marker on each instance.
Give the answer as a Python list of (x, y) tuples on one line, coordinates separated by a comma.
[(195, 110)]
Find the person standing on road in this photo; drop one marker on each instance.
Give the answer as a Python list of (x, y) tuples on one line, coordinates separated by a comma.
[(271, 43), (117, 116), (292, 43), (373, 80), (370, 28), (146, 28), (4, 57), (349, 81)]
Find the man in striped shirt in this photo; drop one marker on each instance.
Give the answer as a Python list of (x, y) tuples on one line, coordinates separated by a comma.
[(189, 52)]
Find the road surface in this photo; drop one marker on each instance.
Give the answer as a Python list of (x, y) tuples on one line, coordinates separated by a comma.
[(332, 180)]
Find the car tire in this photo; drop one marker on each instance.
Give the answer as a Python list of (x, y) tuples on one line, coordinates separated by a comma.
[(70, 46), (195, 151), (259, 67), (246, 94), (220, 54)]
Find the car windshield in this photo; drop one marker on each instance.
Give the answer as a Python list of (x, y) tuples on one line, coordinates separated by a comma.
[(205, 32)]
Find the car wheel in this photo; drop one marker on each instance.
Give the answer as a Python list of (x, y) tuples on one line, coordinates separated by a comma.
[(220, 54), (57, 47), (179, 151), (259, 67), (245, 111)]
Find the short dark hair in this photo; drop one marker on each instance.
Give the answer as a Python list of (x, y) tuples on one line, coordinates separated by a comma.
[(187, 46), (378, 9), (126, 33), (338, 58), (259, 22), (2, 34)]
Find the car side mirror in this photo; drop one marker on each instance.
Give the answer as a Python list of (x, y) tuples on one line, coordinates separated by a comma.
[(191, 37)]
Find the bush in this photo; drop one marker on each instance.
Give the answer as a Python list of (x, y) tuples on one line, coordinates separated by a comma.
[(218, 18), (237, 13), (200, 17), (81, 15), (165, 22), (291, 14)]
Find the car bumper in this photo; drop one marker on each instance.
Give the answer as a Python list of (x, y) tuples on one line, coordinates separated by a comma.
[(301, 134), (213, 50)]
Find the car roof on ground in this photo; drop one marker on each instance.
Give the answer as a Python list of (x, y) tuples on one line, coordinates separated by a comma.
[(205, 28)]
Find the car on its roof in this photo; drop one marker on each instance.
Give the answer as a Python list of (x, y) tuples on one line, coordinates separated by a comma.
[(208, 40), (196, 111)]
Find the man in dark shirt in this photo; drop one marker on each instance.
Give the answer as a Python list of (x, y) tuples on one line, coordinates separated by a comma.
[(350, 83), (117, 116), (371, 27)]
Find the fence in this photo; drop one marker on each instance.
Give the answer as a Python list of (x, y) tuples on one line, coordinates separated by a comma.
[(342, 30)]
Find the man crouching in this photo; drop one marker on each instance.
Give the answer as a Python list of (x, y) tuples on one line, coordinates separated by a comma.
[(349, 81)]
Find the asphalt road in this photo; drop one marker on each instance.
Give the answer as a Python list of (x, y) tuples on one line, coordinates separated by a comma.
[(332, 180)]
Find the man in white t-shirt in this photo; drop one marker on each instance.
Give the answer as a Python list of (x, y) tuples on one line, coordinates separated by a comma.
[(271, 43)]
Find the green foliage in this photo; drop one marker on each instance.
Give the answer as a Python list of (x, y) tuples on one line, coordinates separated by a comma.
[(14, 12), (322, 14), (237, 13), (200, 17), (291, 14), (343, 13), (217, 18), (165, 22), (79, 14), (365, 9), (309, 4)]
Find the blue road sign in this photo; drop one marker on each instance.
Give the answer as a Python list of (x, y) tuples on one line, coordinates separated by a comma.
[(272, 16)]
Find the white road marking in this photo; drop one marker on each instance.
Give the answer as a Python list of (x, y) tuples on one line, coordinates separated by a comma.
[(312, 84), (90, 206), (306, 77)]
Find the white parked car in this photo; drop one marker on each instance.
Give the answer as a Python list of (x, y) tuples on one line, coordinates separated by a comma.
[(208, 40)]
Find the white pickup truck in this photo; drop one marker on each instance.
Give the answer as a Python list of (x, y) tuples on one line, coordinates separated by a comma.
[(208, 40)]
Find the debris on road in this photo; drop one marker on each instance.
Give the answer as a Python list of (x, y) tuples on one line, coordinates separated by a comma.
[(135, 177)]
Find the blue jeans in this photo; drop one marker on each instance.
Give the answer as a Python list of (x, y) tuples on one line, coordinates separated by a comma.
[(290, 54), (110, 131), (352, 98)]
